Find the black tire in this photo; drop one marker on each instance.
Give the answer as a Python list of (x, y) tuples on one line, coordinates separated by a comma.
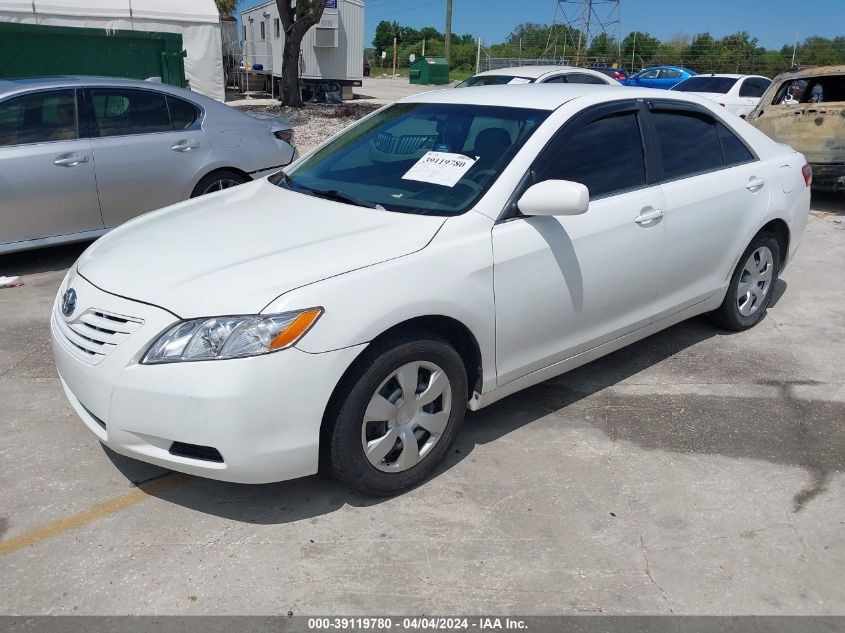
[(345, 453), (728, 314), (229, 178)]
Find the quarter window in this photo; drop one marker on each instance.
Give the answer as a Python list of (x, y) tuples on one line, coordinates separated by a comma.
[(606, 155), (689, 142), (119, 111), (39, 118), (734, 150), (182, 114)]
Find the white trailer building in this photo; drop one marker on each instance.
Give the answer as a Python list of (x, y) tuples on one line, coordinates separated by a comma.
[(332, 51)]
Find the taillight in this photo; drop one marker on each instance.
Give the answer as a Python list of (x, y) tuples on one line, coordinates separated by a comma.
[(284, 135), (807, 170), (619, 76)]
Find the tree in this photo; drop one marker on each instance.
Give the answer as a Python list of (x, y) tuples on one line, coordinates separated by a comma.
[(226, 7), (295, 21), (604, 46), (385, 32), (640, 46)]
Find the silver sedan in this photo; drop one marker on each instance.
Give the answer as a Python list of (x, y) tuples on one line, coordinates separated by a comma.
[(81, 155)]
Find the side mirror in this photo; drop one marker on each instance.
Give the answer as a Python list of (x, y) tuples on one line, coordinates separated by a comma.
[(555, 197)]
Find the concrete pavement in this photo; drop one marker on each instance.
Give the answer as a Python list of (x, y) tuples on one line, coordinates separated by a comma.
[(696, 472)]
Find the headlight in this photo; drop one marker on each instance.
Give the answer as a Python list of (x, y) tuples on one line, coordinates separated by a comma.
[(230, 337)]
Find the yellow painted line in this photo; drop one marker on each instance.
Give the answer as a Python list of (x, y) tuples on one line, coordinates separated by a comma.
[(91, 514)]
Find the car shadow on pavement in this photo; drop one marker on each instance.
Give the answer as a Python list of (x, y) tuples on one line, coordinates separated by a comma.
[(792, 430), (42, 260)]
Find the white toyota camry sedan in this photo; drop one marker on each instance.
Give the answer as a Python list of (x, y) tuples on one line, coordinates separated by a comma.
[(443, 253)]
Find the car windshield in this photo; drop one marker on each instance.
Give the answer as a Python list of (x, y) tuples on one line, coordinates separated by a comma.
[(493, 80), (424, 158), (720, 85)]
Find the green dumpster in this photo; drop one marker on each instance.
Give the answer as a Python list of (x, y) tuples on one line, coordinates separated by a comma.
[(37, 50), (429, 70)]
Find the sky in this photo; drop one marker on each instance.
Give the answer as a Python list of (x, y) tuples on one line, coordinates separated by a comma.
[(774, 22)]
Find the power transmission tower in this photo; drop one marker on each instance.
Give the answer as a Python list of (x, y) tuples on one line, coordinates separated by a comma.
[(577, 22)]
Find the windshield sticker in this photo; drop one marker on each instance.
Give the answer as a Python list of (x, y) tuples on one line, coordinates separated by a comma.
[(519, 80), (440, 168)]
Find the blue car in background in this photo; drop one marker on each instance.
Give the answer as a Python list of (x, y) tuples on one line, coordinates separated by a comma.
[(663, 77)]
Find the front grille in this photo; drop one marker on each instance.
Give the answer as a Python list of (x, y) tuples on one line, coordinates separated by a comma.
[(95, 333), (194, 451), (407, 144)]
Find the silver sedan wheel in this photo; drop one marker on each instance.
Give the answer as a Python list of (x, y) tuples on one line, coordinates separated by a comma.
[(406, 416), (755, 281), (220, 185)]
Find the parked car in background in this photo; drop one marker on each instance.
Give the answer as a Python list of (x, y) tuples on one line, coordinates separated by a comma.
[(660, 77), (739, 94), (539, 75), (447, 251), (806, 109), (81, 155), (619, 74)]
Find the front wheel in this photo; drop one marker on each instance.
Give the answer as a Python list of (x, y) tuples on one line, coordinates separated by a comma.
[(400, 415), (750, 289)]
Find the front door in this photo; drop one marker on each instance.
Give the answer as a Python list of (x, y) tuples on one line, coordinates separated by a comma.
[(46, 169), (564, 285), (148, 148)]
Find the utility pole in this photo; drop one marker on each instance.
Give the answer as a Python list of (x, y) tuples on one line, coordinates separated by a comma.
[(794, 49), (634, 52), (394, 56), (478, 57), (448, 44)]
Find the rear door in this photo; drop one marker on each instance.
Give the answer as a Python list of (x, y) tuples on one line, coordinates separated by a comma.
[(716, 191), (46, 168), (148, 148), (566, 284), (750, 91)]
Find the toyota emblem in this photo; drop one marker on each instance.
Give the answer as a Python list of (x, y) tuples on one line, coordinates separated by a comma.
[(69, 302)]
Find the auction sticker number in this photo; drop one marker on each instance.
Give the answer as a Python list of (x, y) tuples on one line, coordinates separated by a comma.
[(440, 168)]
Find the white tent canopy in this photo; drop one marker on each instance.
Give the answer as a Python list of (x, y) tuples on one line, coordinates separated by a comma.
[(196, 20)]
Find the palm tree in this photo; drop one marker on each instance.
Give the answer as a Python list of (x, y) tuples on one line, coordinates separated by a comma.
[(226, 7)]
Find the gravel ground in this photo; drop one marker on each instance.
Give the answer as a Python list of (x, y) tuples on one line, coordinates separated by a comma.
[(314, 123)]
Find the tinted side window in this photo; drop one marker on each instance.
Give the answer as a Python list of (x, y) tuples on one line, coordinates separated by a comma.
[(182, 114), (669, 74), (560, 79), (689, 142), (39, 118), (121, 111), (606, 155), (753, 88), (578, 78), (651, 74), (734, 150)]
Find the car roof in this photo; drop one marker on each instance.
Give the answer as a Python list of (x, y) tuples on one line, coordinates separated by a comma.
[(815, 71), (529, 71), (684, 68), (549, 96), (22, 84)]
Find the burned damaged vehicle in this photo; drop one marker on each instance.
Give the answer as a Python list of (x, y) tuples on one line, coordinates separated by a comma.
[(806, 109)]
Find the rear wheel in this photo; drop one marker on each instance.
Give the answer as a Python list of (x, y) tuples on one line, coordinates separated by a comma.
[(750, 289), (400, 414), (218, 181)]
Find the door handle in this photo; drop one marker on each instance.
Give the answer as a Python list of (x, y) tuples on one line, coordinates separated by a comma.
[(185, 146), (647, 216), (70, 161), (755, 184)]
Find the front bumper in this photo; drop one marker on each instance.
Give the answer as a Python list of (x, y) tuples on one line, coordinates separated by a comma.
[(262, 414)]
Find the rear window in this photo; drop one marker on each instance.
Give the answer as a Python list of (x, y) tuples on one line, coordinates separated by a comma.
[(493, 80), (720, 85)]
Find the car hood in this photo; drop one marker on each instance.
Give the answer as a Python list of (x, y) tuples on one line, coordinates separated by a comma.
[(235, 251)]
